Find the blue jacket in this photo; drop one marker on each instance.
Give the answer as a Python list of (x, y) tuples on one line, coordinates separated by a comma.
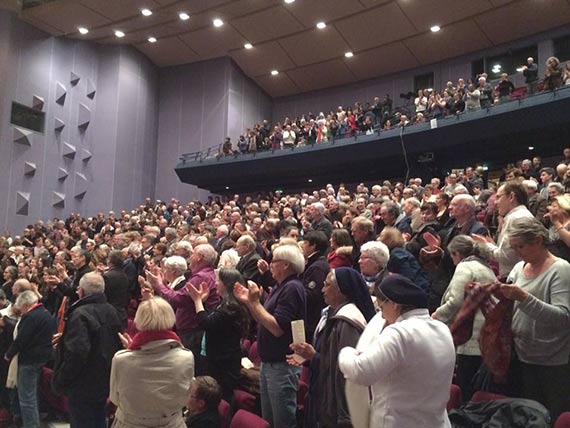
[(404, 263)]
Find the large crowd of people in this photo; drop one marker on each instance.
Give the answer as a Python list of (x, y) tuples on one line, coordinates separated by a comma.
[(381, 114), (151, 308)]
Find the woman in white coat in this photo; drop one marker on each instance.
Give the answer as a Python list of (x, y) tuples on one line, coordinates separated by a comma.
[(409, 366), (150, 381)]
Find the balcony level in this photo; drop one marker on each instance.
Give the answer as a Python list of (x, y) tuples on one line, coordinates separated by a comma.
[(539, 124)]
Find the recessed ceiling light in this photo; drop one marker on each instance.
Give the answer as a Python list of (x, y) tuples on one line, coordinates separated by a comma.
[(321, 25), (248, 46), (119, 33), (310, 180), (435, 28), (274, 72), (152, 39), (146, 12), (348, 54), (183, 16), (530, 147), (289, 1), (498, 66), (227, 187), (82, 30), (218, 22)]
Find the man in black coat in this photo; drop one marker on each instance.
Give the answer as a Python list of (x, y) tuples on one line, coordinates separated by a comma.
[(247, 265), (33, 347), (315, 244), (84, 353), (68, 286), (117, 285)]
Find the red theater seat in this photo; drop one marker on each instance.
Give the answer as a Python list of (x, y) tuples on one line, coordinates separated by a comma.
[(245, 419)]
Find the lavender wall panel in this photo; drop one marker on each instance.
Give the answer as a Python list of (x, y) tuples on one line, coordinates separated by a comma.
[(33, 63)]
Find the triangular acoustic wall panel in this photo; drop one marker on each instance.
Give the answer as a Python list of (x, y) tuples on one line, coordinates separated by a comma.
[(90, 89), (74, 78), (58, 199), (29, 168), (80, 185), (84, 117), (22, 203), (86, 155), (62, 174), (38, 102), (60, 93), (69, 151), (58, 125), (22, 136)]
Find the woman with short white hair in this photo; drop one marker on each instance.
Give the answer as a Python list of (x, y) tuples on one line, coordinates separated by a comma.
[(374, 257), (150, 380)]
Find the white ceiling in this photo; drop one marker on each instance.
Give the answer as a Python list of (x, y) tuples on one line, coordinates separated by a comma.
[(385, 35)]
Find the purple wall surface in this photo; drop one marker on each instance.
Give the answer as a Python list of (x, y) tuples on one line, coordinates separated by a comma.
[(395, 84), (110, 162), (200, 105)]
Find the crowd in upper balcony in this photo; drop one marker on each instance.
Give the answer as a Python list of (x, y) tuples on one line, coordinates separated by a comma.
[(381, 115)]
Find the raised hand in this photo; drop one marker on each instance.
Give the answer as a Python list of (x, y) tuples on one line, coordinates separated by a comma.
[(481, 239), (241, 293), (432, 240), (201, 292), (126, 339), (262, 266)]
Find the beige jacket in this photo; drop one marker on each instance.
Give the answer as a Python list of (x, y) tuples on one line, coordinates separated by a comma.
[(150, 386)]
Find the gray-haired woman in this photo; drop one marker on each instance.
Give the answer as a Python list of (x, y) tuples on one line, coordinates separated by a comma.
[(540, 287), (470, 267)]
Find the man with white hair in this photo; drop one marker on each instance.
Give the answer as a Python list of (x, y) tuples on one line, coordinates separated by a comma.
[(222, 233), (530, 72), (319, 221), (537, 204), (247, 265), (486, 92), (84, 353), (462, 222), (202, 262), (32, 345)]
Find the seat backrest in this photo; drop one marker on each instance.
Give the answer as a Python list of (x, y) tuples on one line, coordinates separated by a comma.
[(563, 421), (245, 419), (225, 414), (244, 400), (253, 355), (455, 397), (479, 396)]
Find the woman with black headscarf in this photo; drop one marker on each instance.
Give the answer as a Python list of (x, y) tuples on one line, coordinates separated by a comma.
[(349, 309)]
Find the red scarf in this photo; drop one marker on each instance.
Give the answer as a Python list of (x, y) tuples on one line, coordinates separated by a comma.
[(144, 337)]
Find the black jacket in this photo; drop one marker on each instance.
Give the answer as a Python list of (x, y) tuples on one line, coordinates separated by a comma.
[(316, 271), (117, 292), (33, 343), (87, 347), (247, 266)]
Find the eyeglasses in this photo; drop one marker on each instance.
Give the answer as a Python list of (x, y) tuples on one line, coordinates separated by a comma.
[(278, 260)]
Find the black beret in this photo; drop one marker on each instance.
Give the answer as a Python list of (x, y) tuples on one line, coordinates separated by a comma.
[(403, 291)]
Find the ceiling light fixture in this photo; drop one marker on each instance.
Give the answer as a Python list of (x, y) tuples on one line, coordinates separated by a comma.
[(183, 16), (321, 25), (218, 22), (82, 30), (146, 12), (248, 46), (530, 147), (435, 28), (119, 34), (348, 54), (289, 1), (274, 72), (310, 180), (152, 39)]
